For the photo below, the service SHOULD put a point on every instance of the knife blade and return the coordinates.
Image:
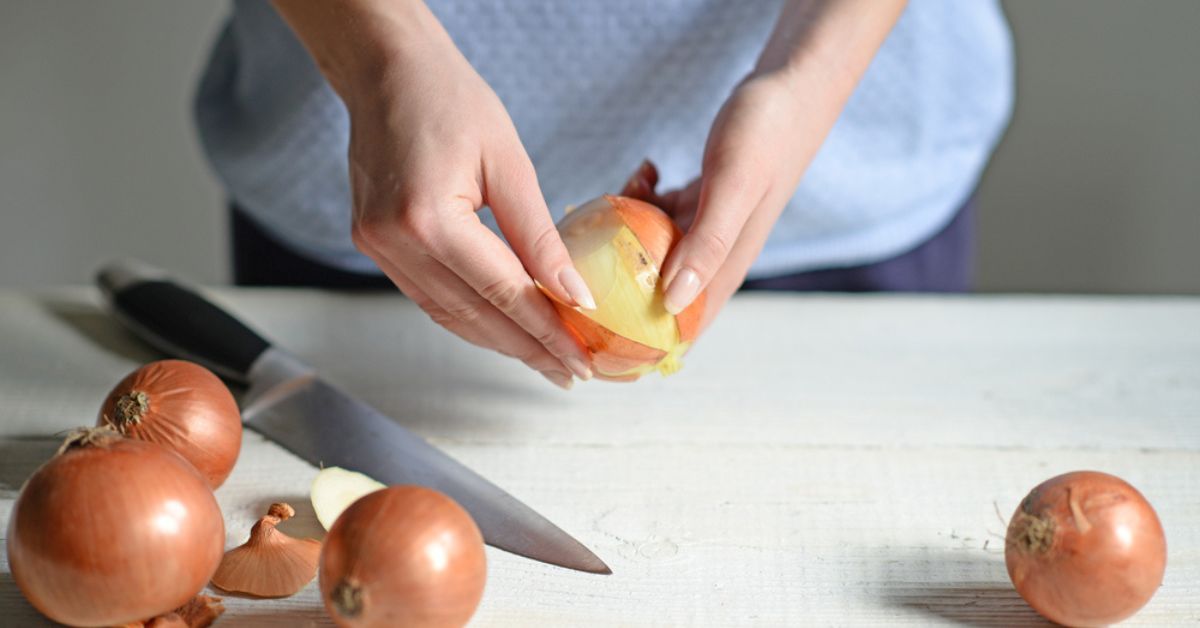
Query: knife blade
(291, 405)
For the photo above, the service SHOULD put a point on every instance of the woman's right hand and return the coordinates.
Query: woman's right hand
(430, 145)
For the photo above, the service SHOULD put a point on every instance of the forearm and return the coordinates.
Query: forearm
(820, 49)
(355, 42)
(765, 137)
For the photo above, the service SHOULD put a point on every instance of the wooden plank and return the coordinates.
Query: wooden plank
(737, 534)
(820, 460)
(998, 372)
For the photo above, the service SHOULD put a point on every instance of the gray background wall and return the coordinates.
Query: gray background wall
(1094, 189)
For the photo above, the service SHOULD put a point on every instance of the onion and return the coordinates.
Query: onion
(335, 488)
(183, 406)
(618, 245)
(112, 531)
(1085, 549)
(403, 556)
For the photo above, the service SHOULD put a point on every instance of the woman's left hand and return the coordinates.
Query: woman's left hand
(762, 141)
(752, 164)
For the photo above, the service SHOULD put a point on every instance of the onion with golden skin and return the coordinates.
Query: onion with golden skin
(1085, 549)
(183, 406)
(112, 531)
(619, 244)
(403, 556)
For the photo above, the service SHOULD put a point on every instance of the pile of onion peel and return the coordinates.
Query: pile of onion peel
(619, 244)
(200, 612)
(182, 406)
(335, 488)
(1085, 549)
(270, 563)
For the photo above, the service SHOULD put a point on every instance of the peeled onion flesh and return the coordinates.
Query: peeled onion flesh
(335, 488)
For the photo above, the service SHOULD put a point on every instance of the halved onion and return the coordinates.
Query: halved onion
(335, 488)
(618, 244)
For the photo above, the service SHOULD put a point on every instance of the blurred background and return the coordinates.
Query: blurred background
(1095, 188)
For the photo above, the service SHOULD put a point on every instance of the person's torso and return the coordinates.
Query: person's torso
(593, 88)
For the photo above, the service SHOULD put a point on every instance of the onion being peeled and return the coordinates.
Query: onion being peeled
(1085, 549)
(112, 531)
(183, 406)
(618, 244)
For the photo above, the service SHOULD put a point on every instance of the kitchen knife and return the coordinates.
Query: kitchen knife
(290, 404)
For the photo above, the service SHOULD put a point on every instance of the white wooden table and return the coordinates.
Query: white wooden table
(819, 460)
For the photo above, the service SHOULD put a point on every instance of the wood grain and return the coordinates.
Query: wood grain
(819, 460)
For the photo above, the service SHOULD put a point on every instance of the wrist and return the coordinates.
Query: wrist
(827, 42)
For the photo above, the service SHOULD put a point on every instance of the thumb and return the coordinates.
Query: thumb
(729, 194)
(516, 200)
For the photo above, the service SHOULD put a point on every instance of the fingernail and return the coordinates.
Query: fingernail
(575, 286)
(562, 380)
(682, 291)
(578, 367)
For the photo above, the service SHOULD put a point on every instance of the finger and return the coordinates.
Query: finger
(461, 310)
(642, 183)
(474, 320)
(414, 239)
(680, 204)
(747, 248)
(521, 213)
(490, 269)
(729, 192)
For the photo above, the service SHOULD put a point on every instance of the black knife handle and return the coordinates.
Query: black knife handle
(178, 321)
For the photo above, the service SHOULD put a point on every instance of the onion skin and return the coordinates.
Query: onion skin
(641, 186)
(1085, 549)
(113, 531)
(200, 612)
(613, 356)
(183, 406)
(270, 563)
(658, 233)
(403, 556)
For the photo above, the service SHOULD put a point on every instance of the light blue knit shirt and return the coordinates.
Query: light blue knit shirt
(595, 87)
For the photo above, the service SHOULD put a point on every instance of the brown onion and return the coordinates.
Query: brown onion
(1085, 549)
(183, 406)
(112, 531)
(403, 556)
(618, 244)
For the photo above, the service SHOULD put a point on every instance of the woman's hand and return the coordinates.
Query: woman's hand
(752, 164)
(762, 141)
(430, 145)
